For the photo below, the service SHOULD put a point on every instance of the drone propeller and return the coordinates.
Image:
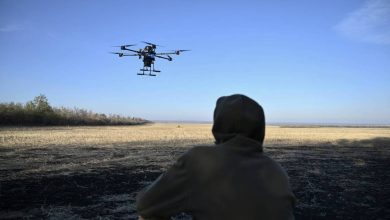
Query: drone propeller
(119, 54)
(123, 47)
(151, 44)
(177, 52)
(127, 45)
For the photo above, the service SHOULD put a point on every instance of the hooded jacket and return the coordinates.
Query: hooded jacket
(231, 180)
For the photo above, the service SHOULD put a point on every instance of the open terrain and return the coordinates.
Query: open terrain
(95, 172)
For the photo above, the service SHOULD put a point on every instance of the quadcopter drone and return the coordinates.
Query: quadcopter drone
(149, 56)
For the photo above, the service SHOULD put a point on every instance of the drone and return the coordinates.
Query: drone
(149, 55)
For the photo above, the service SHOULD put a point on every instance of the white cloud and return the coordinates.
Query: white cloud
(370, 23)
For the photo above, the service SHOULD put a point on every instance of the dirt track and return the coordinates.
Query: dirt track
(342, 180)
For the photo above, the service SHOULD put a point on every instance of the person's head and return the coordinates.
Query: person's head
(238, 115)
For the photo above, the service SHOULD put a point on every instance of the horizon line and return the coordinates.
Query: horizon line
(284, 123)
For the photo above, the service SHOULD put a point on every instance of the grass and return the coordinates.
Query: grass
(95, 172)
(100, 136)
(43, 137)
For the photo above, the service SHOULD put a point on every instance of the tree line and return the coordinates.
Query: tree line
(39, 112)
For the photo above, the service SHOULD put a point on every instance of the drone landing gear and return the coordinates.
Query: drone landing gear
(150, 70)
(156, 71)
(143, 74)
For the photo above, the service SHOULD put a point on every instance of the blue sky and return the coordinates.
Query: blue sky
(303, 61)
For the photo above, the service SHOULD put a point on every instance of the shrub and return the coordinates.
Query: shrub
(39, 112)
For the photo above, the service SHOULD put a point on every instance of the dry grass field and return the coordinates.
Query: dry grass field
(95, 172)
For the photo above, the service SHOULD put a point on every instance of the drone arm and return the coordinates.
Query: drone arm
(175, 52)
(135, 51)
(167, 58)
(166, 53)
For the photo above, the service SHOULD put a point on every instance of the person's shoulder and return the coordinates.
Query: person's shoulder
(273, 167)
(196, 152)
(200, 149)
(202, 160)
(270, 161)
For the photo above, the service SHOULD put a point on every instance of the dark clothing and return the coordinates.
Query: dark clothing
(232, 180)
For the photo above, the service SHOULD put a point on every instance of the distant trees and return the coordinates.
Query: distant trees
(39, 112)
(39, 104)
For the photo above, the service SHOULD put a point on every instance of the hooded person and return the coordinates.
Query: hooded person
(231, 180)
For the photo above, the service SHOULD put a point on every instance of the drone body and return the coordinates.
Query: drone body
(148, 55)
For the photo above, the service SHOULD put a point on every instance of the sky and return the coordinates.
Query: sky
(304, 61)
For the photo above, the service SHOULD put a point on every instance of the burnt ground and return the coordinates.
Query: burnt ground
(347, 180)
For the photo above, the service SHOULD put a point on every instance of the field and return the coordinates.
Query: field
(95, 172)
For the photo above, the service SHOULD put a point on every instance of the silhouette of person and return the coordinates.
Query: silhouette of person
(232, 180)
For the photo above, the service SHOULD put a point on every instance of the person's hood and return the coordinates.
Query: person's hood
(238, 115)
